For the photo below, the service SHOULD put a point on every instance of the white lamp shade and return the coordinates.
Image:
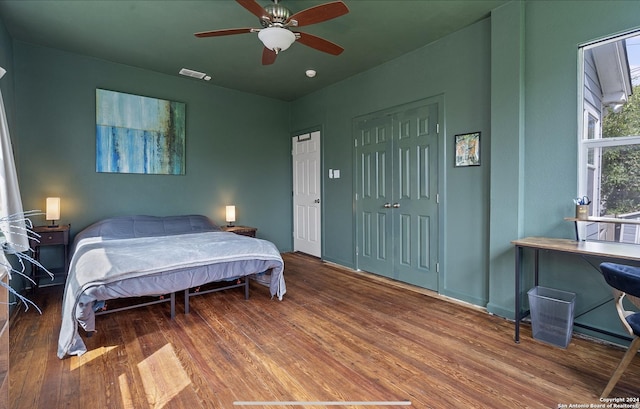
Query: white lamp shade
(53, 208)
(276, 38)
(231, 214)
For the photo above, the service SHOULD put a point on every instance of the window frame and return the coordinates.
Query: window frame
(585, 110)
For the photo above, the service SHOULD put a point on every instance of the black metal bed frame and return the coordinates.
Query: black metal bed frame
(188, 293)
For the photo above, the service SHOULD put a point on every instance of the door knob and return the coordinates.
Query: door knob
(387, 205)
(316, 201)
(396, 205)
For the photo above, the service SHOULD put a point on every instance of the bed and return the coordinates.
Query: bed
(139, 256)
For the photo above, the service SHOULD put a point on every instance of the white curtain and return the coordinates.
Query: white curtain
(10, 199)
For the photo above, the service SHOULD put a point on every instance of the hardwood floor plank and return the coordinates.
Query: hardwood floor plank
(337, 335)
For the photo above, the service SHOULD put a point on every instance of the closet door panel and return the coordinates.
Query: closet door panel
(373, 174)
(416, 210)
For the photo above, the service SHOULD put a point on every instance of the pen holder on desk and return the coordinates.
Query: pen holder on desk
(582, 212)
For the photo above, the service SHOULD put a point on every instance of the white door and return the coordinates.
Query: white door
(306, 194)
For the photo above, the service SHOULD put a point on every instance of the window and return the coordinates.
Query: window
(609, 137)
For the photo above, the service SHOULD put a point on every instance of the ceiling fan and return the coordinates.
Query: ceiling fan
(276, 21)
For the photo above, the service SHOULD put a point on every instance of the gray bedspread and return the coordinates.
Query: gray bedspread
(127, 227)
(107, 268)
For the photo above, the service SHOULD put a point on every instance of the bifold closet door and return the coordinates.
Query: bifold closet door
(396, 197)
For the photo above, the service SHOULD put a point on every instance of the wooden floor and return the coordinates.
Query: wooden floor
(336, 336)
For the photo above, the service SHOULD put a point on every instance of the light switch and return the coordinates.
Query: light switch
(330, 173)
(336, 173)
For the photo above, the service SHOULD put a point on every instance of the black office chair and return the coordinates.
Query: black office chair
(625, 279)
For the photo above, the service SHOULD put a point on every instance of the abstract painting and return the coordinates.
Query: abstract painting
(467, 148)
(136, 134)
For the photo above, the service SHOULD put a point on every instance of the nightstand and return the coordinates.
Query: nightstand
(50, 236)
(241, 230)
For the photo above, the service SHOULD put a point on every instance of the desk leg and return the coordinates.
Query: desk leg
(518, 313)
(518, 277)
(536, 263)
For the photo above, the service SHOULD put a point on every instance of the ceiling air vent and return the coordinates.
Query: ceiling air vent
(194, 74)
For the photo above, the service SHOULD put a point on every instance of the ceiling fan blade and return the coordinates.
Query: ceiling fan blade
(318, 14)
(255, 9)
(320, 44)
(268, 56)
(218, 33)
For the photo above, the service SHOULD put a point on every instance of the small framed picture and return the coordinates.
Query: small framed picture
(467, 149)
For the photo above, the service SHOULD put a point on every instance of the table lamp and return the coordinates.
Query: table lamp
(230, 215)
(53, 211)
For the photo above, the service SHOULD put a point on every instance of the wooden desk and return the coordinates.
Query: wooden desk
(608, 250)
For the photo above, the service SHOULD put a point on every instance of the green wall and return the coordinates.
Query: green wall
(237, 146)
(507, 173)
(535, 71)
(456, 70)
(553, 32)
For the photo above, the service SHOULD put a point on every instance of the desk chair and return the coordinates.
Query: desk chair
(625, 279)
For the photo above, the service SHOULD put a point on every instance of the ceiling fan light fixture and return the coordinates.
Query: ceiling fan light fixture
(276, 38)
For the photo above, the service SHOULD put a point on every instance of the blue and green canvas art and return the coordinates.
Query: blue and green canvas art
(136, 134)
